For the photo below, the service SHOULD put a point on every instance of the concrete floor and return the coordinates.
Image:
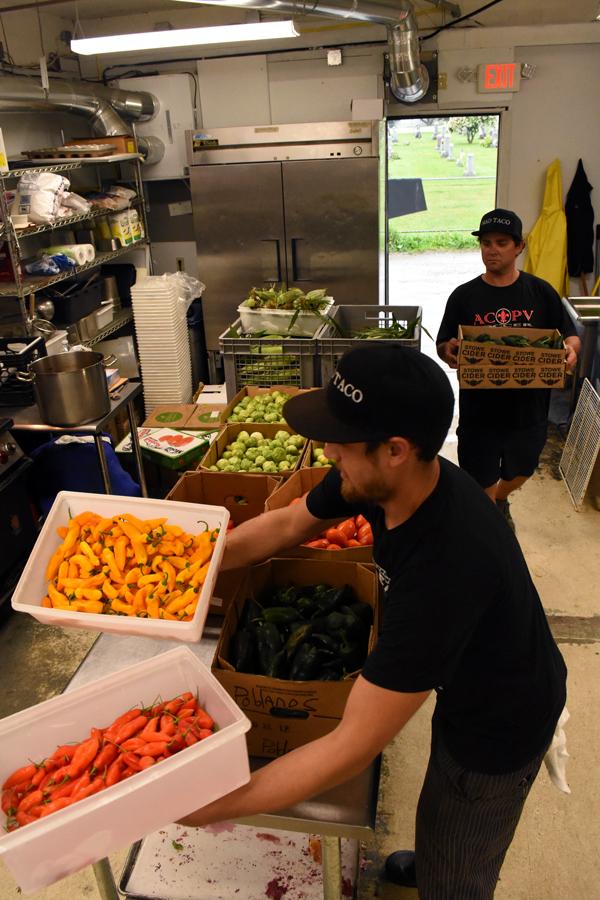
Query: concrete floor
(554, 855)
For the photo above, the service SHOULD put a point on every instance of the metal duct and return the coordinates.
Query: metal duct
(98, 104)
(409, 79)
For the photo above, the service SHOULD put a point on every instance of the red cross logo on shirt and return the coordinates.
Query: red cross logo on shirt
(503, 316)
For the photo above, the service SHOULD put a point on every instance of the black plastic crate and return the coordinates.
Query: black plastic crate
(77, 304)
(12, 391)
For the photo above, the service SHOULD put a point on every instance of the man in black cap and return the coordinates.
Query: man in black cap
(462, 617)
(501, 433)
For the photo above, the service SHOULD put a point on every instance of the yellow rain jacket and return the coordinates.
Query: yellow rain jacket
(547, 242)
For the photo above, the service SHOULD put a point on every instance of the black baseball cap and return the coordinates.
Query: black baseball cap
(378, 391)
(503, 220)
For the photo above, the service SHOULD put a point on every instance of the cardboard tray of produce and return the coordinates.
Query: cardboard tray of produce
(289, 714)
(310, 458)
(253, 392)
(31, 588)
(228, 436)
(243, 496)
(168, 447)
(492, 366)
(70, 839)
(299, 483)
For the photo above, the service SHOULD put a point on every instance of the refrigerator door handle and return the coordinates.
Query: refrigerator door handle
(271, 260)
(300, 261)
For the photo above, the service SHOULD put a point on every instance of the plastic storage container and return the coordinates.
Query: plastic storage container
(31, 589)
(77, 304)
(277, 321)
(331, 347)
(66, 841)
(104, 315)
(15, 356)
(266, 361)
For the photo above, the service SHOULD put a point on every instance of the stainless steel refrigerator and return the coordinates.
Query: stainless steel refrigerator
(291, 203)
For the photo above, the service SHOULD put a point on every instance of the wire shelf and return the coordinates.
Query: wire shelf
(582, 445)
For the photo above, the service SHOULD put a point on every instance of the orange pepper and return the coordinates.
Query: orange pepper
(120, 551)
(54, 563)
(62, 531)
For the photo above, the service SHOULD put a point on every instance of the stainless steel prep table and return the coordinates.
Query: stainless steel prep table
(27, 418)
(347, 811)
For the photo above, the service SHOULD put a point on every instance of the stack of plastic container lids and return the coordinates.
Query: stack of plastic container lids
(163, 342)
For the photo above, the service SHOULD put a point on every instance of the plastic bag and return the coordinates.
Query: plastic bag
(121, 191)
(75, 202)
(188, 288)
(49, 265)
(39, 195)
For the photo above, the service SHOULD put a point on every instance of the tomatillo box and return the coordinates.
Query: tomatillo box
(174, 416)
(494, 377)
(168, 447)
(297, 485)
(243, 496)
(205, 415)
(253, 392)
(289, 714)
(51, 848)
(229, 434)
(478, 353)
(309, 455)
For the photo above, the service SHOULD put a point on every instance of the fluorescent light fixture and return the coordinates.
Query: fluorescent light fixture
(185, 37)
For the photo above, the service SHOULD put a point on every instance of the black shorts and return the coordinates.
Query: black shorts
(490, 452)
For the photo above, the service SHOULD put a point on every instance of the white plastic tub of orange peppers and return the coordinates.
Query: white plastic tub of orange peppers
(127, 565)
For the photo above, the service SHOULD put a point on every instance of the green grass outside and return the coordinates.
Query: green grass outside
(454, 206)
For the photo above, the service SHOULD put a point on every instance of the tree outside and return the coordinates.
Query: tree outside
(455, 201)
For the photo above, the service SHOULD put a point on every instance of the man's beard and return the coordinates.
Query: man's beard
(373, 491)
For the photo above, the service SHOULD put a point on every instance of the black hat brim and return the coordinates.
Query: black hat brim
(310, 416)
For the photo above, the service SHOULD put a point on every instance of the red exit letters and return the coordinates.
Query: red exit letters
(498, 77)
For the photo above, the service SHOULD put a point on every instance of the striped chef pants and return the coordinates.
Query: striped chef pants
(465, 823)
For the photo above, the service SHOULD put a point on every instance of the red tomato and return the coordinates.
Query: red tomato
(353, 543)
(334, 547)
(320, 544)
(360, 521)
(335, 536)
(348, 527)
(364, 530)
(366, 540)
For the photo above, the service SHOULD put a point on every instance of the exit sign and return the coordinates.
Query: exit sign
(498, 78)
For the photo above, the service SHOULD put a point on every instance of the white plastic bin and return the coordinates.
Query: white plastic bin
(31, 589)
(69, 840)
(277, 321)
(104, 315)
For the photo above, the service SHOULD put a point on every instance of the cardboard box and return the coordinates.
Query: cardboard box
(125, 143)
(303, 480)
(251, 391)
(168, 447)
(316, 707)
(228, 435)
(205, 415)
(307, 459)
(172, 416)
(475, 353)
(495, 377)
(230, 490)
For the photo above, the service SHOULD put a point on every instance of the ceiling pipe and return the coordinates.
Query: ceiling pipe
(409, 79)
(106, 109)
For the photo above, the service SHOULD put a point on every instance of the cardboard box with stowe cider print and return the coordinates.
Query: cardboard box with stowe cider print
(493, 366)
(304, 710)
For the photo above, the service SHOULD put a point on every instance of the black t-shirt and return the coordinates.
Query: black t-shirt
(462, 615)
(529, 302)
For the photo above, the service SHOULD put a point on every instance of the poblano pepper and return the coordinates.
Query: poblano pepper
(269, 644)
(242, 652)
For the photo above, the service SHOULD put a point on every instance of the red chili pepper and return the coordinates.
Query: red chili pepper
(24, 774)
(206, 732)
(86, 752)
(68, 788)
(116, 726)
(167, 725)
(203, 720)
(176, 743)
(132, 761)
(8, 801)
(49, 766)
(173, 705)
(130, 729)
(158, 748)
(105, 757)
(31, 800)
(133, 744)
(56, 805)
(24, 819)
(128, 772)
(113, 775)
(190, 738)
(146, 762)
(81, 784)
(66, 752)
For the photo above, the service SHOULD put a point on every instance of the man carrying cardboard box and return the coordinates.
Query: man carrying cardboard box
(462, 617)
(501, 433)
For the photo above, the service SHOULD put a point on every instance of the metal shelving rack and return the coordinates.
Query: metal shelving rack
(24, 286)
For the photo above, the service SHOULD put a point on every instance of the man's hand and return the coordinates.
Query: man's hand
(448, 352)
(572, 347)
